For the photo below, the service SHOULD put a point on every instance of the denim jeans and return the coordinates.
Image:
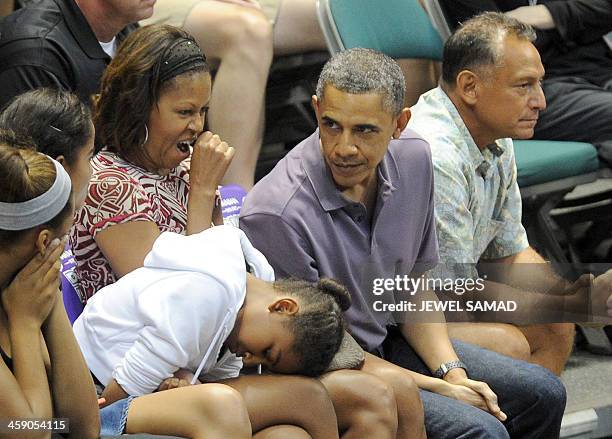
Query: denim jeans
(114, 417)
(531, 396)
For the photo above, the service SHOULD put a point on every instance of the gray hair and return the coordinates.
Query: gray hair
(360, 71)
(478, 43)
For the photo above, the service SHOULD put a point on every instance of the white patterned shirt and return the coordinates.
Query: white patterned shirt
(477, 198)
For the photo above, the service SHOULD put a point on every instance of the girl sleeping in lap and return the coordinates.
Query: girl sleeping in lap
(193, 310)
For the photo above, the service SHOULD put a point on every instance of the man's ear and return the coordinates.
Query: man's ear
(314, 101)
(286, 305)
(401, 122)
(62, 160)
(43, 240)
(466, 86)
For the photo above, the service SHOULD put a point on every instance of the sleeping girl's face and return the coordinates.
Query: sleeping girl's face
(263, 338)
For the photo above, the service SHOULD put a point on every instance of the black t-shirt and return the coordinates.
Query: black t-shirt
(574, 48)
(50, 44)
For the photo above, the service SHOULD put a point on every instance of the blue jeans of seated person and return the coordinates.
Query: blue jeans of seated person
(531, 396)
(113, 419)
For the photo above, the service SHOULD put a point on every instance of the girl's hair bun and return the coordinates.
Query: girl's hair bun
(337, 291)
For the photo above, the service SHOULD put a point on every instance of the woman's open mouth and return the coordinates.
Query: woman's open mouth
(185, 146)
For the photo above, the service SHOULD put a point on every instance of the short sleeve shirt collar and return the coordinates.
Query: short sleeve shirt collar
(482, 161)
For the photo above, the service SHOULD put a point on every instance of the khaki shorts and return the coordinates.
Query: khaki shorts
(175, 12)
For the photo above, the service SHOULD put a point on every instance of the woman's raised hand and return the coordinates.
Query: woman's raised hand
(210, 159)
(31, 295)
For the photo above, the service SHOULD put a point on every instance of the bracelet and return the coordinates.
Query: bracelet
(444, 368)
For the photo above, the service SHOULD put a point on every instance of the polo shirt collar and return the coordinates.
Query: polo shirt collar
(481, 160)
(322, 181)
(81, 30)
(388, 172)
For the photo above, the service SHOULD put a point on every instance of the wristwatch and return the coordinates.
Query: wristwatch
(444, 368)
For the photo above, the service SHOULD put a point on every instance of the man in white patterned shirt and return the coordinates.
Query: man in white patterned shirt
(490, 91)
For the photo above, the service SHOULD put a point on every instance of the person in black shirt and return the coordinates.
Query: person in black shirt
(577, 56)
(63, 43)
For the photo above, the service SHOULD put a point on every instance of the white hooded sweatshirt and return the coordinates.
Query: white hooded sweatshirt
(175, 312)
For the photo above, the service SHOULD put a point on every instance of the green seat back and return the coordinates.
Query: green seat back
(398, 28)
(541, 161)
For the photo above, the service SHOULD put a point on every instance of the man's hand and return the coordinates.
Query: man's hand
(475, 393)
(181, 378)
(601, 297)
(172, 383)
(112, 392)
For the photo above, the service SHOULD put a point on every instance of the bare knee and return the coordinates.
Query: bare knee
(317, 406)
(550, 337)
(376, 408)
(282, 432)
(410, 412)
(512, 343)
(310, 388)
(563, 332)
(222, 412)
(248, 33)
(365, 405)
(404, 388)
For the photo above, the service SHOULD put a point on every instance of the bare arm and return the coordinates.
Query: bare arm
(432, 343)
(113, 392)
(528, 279)
(126, 245)
(72, 387)
(27, 302)
(210, 159)
(526, 270)
(537, 16)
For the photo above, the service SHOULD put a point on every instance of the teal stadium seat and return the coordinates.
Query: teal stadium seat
(545, 161)
(399, 28)
(547, 170)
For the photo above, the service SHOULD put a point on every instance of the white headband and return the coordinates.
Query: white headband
(39, 210)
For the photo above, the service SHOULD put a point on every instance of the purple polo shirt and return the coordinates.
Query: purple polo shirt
(307, 229)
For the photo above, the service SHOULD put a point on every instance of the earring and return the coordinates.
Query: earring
(146, 134)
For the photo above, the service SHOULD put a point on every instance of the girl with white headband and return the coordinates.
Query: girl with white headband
(36, 341)
(53, 381)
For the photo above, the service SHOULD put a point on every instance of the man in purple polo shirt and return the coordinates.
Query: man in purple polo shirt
(354, 202)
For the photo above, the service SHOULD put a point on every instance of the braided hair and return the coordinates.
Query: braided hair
(318, 327)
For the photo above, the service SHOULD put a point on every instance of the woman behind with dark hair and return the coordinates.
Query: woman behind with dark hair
(60, 126)
(149, 117)
(42, 372)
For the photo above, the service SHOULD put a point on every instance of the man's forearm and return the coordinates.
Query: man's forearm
(529, 280)
(431, 342)
(537, 16)
(526, 271)
(113, 392)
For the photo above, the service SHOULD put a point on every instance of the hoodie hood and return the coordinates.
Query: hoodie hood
(216, 251)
